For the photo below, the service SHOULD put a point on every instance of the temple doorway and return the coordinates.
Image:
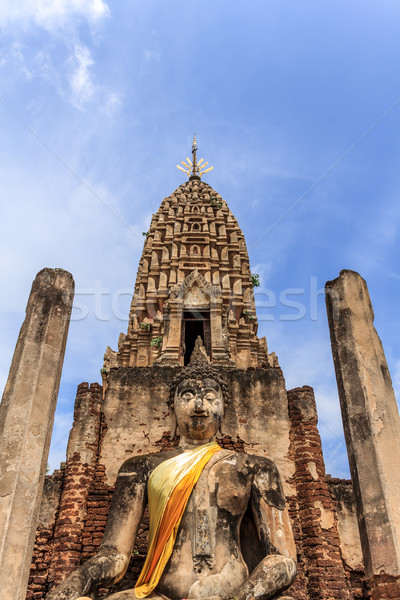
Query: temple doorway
(195, 323)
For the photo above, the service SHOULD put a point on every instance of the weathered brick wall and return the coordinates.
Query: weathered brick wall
(385, 587)
(299, 588)
(58, 544)
(98, 506)
(322, 559)
(37, 585)
(82, 456)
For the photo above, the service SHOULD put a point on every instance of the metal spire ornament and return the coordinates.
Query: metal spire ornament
(192, 168)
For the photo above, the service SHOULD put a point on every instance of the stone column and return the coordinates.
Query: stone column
(371, 426)
(26, 421)
(218, 351)
(171, 346)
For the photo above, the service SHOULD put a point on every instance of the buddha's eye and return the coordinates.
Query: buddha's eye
(187, 394)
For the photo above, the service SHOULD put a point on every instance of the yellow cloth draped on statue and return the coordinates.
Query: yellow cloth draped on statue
(169, 488)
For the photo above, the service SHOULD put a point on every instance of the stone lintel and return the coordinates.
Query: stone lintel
(370, 419)
(26, 422)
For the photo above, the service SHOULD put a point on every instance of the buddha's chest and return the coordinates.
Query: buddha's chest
(223, 486)
(213, 514)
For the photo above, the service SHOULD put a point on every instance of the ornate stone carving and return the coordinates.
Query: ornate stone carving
(204, 262)
(180, 291)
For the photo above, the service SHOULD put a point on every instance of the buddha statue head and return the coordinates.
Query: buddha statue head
(198, 399)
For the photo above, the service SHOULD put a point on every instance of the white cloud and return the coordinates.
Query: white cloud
(111, 104)
(152, 55)
(50, 14)
(74, 78)
(80, 79)
(61, 59)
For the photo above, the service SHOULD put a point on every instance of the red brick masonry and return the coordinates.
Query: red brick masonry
(315, 525)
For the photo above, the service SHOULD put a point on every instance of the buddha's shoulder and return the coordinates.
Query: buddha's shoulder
(249, 462)
(144, 463)
(259, 472)
(266, 481)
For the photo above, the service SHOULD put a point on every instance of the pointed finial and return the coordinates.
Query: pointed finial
(194, 145)
(194, 169)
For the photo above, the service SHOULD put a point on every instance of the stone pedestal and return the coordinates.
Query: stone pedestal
(371, 426)
(26, 421)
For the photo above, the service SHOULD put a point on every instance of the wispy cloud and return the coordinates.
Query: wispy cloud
(152, 55)
(83, 85)
(111, 104)
(63, 58)
(81, 78)
(50, 14)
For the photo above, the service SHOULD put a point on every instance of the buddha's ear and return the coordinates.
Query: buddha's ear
(221, 425)
(173, 424)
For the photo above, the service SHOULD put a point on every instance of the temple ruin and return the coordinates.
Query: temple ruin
(194, 280)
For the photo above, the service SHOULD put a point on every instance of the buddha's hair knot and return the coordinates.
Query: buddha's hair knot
(199, 370)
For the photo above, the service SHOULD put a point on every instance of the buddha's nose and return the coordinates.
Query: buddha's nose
(198, 405)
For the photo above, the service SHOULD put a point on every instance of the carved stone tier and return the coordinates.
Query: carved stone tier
(193, 279)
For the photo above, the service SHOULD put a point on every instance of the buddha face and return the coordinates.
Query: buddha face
(199, 408)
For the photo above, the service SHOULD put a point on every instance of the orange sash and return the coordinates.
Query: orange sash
(169, 488)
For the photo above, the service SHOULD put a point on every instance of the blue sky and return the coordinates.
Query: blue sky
(297, 106)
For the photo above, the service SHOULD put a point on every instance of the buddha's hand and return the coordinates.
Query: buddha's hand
(220, 585)
(215, 597)
(71, 588)
(273, 575)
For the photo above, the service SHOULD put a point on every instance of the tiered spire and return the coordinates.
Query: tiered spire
(193, 279)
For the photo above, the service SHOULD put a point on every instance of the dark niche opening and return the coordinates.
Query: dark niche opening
(195, 323)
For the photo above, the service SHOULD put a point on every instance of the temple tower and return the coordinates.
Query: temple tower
(193, 279)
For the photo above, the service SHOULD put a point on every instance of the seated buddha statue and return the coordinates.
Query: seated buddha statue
(219, 528)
